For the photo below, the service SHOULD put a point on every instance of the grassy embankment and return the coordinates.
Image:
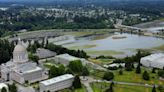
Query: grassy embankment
(100, 87)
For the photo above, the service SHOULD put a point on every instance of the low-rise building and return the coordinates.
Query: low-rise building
(44, 53)
(57, 83)
(153, 61)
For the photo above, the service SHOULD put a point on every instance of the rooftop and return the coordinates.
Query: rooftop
(155, 57)
(67, 57)
(27, 68)
(57, 79)
(44, 53)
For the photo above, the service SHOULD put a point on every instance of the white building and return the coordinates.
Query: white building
(57, 83)
(154, 61)
(65, 59)
(20, 69)
(2, 85)
(44, 53)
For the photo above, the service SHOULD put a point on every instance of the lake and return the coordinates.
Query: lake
(120, 47)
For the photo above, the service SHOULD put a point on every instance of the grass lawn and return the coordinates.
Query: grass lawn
(48, 65)
(83, 89)
(100, 87)
(82, 47)
(89, 31)
(104, 52)
(82, 33)
(131, 76)
(159, 48)
(101, 61)
(97, 74)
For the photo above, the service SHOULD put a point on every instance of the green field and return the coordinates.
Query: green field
(100, 87)
(83, 89)
(159, 48)
(104, 52)
(82, 47)
(131, 76)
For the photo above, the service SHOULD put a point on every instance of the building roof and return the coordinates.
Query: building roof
(27, 68)
(19, 48)
(57, 79)
(67, 57)
(44, 53)
(154, 60)
(155, 57)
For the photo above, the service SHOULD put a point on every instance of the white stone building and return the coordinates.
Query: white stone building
(65, 59)
(20, 69)
(153, 60)
(57, 83)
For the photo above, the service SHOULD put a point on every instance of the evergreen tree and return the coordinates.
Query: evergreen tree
(153, 70)
(85, 71)
(77, 83)
(138, 69)
(154, 89)
(110, 89)
(121, 72)
(13, 88)
(145, 75)
(42, 44)
(3, 89)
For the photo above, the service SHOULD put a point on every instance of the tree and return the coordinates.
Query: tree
(3, 89)
(34, 58)
(108, 76)
(13, 88)
(56, 71)
(77, 83)
(160, 88)
(153, 70)
(154, 89)
(42, 44)
(138, 69)
(120, 72)
(6, 51)
(138, 55)
(85, 71)
(161, 73)
(76, 66)
(145, 75)
(128, 66)
(110, 89)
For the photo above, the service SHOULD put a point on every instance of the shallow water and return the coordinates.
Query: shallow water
(126, 45)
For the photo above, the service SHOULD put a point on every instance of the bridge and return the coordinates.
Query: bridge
(131, 28)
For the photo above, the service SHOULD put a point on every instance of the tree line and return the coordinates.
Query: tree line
(6, 51)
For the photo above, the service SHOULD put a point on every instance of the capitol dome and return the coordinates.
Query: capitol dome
(19, 48)
(20, 54)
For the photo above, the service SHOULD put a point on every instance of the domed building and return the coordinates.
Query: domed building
(20, 54)
(20, 68)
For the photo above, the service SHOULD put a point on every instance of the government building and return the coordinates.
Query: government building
(56, 83)
(20, 69)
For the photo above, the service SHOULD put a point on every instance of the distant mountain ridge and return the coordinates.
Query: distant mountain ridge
(74, 0)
